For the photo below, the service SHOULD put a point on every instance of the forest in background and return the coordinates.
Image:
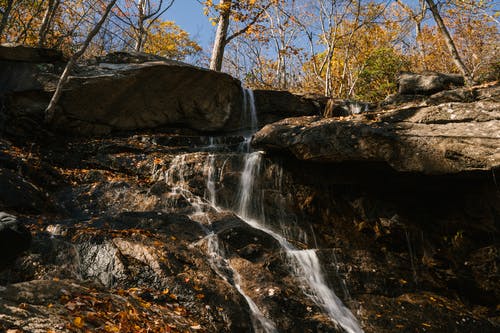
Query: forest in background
(339, 48)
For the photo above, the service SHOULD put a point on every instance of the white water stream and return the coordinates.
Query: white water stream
(304, 263)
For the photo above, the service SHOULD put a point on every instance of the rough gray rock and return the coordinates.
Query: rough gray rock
(439, 139)
(14, 239)
(125, 91)
(111, 97)
(427, 83)
(120, 91)
(486, 92)
(29, 54)
(274, 105)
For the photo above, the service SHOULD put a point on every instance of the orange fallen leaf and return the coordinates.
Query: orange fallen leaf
(78, 322)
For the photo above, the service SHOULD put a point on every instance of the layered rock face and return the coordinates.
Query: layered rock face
(130, 91)
(450, 132)
(334, 227)
(106, 96)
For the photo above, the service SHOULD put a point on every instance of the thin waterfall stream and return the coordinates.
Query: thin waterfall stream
(304, 263)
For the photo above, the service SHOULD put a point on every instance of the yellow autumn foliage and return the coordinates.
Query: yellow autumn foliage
(167, 39)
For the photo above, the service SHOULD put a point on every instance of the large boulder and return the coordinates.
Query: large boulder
(437, 139)
(29, 54)
(274, 105)
(14, 239)
(427, 83)
(23, 68)
(16, 192)
(115, 96)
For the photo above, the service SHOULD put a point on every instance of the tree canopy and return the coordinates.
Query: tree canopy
(340, 48)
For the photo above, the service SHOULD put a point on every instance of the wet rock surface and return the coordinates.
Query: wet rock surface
(117, 236)
(147, 230)
(404, 252)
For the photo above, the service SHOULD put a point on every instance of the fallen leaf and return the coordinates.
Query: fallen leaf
(78, 322)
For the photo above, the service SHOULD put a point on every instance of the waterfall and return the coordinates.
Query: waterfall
(250, 171)
(223, 268)
(304, 264)
(210, 166)
(249, 121)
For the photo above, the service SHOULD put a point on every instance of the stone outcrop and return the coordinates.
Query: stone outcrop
(126, 91)
(427, 83)
(392, 245)
(110, 97)
(14, 239)
(444, 137)
(22, 53)
(273, 105)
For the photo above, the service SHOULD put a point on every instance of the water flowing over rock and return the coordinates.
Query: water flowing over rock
(175, 231)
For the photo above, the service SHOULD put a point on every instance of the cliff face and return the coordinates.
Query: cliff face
(383, 222)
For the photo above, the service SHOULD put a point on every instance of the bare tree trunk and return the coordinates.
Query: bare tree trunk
(47, 21)
(139, 42)
(220, 36)
(49, 112)
(449, 42)
(328, 80)
(5, 16)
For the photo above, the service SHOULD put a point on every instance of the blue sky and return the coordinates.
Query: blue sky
(188, 14)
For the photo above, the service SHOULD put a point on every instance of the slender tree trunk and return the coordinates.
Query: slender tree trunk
(141, 32)
(220, 36)
(49, 112)
(328, 80)
(449, 42)
(48, 17)
(141, 36)
(5, 16)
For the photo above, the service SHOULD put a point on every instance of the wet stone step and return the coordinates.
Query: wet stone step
(195, 143)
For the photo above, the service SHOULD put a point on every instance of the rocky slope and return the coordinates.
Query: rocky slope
(137, 231)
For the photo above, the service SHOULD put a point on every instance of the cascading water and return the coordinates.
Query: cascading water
(249, 121)
(304, 263)
(210, 179)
